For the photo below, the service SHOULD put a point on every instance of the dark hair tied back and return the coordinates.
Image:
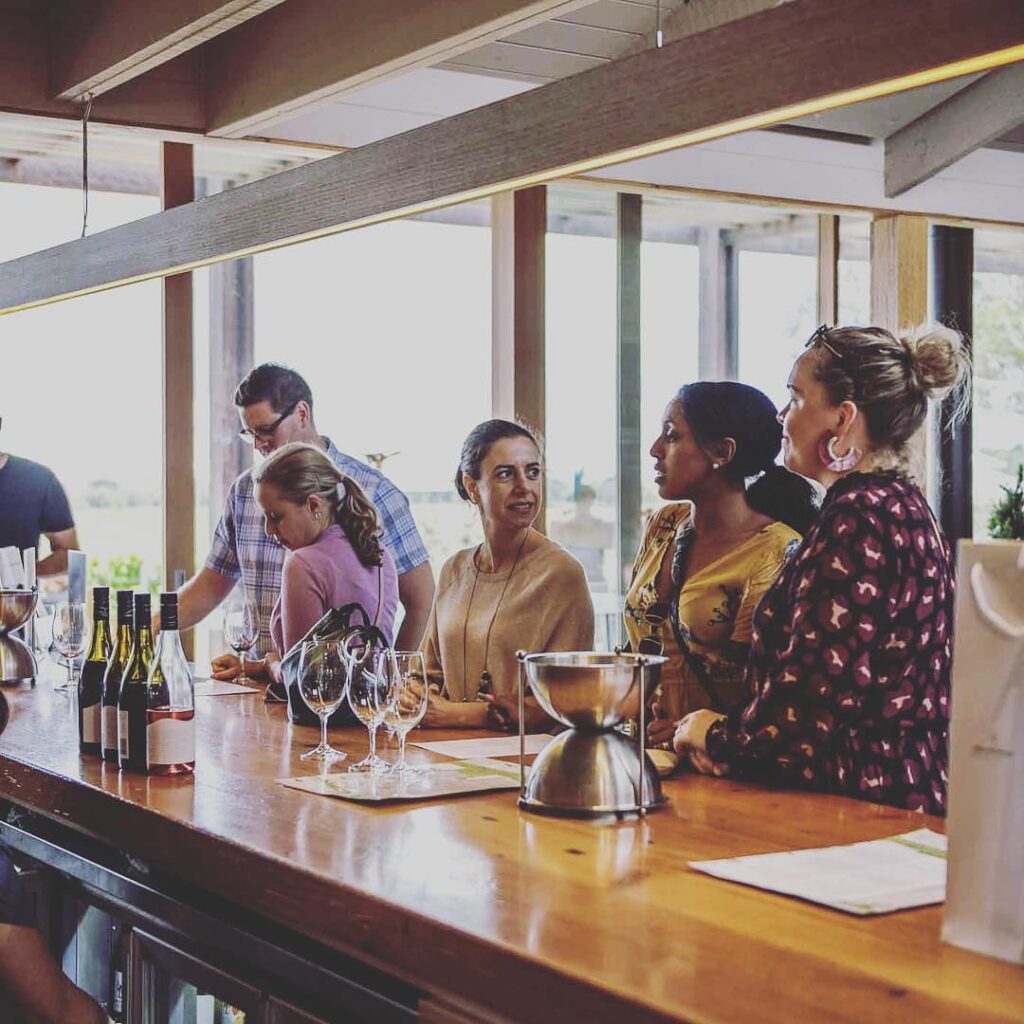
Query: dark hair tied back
(719, 409)
(479, 442)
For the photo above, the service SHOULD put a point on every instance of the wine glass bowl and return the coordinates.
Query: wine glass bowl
(241, 631)
(367, 693)
(323, 681)
(405, 696)
(69, 636)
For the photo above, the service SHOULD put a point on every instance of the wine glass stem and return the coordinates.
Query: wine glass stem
(372, 729)
(401, 750)
(71, 673)
(323, 731)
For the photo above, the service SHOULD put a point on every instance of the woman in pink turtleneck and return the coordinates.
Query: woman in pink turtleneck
(335, 555)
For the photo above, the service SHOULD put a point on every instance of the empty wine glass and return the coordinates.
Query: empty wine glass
(323, 678)
(241, 631)
(69, 636)
(367, 695)
(405, 696)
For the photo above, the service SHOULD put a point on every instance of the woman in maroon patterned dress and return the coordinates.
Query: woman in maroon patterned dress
(852, 646)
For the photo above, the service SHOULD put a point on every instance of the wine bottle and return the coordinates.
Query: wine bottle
(90, 682)
(117, 988)
(131, 704)
(170, 700)
(114, 673)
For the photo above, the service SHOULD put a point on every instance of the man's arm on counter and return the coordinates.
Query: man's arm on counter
(416, 592)
(198, 597)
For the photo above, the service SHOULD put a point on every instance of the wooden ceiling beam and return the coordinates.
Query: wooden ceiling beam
(311, 50)
(170, 98)
(967, 120)
(98, 45)
(799, 58)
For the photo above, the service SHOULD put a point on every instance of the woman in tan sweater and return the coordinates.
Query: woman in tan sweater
(516, 590)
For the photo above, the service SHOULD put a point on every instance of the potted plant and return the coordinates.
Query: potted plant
(1007, 519)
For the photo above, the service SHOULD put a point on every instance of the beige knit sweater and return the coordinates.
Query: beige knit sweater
(547, 607)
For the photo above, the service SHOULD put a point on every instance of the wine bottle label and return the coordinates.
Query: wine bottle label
(122, 732)
(171, 741)
(91, 724)
(108, 727)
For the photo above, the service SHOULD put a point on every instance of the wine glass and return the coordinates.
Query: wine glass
(242, 630)
(69, 636)
(323, 678)
(405, 696)
(367, 695)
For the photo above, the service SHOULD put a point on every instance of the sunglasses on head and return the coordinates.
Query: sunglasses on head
(820, 337)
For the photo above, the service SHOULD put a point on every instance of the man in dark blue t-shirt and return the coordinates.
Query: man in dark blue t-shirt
(32, 502)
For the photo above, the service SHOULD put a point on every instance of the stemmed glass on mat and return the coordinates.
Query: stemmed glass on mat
(405, 696)
(323, 679)
(367, 696)
(241, 631)
(69, 636)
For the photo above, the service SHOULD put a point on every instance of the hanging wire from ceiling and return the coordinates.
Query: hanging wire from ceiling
(86, 111)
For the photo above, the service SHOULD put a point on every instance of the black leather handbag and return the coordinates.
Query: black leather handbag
(338, 624)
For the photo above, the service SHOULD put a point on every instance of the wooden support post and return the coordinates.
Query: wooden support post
(717, 346)
(628, 385)
(828, 269)
(899, 296)
(231, 358)
(178, 188)
(953, 305)
(899, 270)
(518, 228)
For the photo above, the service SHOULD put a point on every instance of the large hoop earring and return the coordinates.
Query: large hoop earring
(833, 461)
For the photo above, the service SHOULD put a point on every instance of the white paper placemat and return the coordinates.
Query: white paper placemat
(448, 779)
(216, 688)
(487, 746)
(875, 877)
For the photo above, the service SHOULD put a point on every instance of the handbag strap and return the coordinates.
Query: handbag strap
(684, 538)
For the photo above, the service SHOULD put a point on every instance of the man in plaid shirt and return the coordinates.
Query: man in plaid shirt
(275, 405)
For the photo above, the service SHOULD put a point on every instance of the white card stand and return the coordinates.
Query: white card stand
(985, 889)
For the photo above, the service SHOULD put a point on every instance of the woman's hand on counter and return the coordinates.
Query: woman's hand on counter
(690, 741)
(442, 713)
(660, 729)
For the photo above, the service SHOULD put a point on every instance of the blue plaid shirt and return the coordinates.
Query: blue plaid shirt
(242, 549)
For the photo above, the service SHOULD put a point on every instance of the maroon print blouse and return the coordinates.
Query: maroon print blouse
(851, 654)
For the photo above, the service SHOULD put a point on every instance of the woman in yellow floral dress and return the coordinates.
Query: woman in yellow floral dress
(708, 557)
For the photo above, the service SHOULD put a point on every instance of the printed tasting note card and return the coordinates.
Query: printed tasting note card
(863, 878)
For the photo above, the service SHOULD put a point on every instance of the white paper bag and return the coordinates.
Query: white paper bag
(985, 889)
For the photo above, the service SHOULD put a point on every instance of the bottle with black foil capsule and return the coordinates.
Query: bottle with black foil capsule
(131, 704)
(90, 682)
(117, 987)
(114, 673)
(170, 700)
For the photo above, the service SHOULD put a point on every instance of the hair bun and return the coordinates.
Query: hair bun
(938, 358)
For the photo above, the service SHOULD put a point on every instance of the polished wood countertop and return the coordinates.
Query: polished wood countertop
(523, 917)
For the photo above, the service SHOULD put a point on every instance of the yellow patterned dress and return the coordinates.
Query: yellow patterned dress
(711, 611)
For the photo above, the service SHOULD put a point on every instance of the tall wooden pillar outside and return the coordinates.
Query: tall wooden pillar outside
(828, 269)
(953, 305)
(628, 476)
(518, 229)
(179, 492)
(899, 297)
(718, 319)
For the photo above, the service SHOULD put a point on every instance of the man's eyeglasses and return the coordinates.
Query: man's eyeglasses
(820, 337)
(267, 430)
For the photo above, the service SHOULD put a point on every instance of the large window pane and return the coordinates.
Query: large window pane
(581, 378)
(391, 327)
(998, 411)
(778, 296)
(854, 271)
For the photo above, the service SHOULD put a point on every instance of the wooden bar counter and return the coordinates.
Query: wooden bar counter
(495, 914)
